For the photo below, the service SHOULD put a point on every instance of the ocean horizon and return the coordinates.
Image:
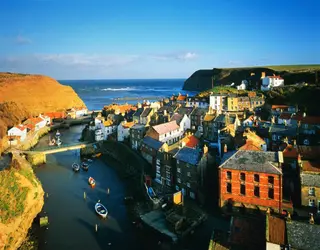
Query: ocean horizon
(98, 93)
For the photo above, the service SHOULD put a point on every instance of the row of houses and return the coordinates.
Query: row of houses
(19, 133)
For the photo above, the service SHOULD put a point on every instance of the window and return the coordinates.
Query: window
(179, 180)
(312, 203)
(189, 174)
(242, 176)
(256, 191)
(158, 169)
(177, 188)
(271, 193)
(271, 180)
(229, 175)
(242, 189)
(177, 161)
(179, 170)
(256, 178)
(229, 188)
(312, 191)
(188, 184)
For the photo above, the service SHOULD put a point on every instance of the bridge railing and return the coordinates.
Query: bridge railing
(47, 148)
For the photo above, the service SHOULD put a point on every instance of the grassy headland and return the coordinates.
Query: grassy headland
(201, 80)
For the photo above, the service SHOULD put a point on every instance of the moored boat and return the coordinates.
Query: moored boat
(101, 210)
(58, 142)
(85, 166)
(92, 182)
(97, 155)
(58, 134)
(75, 167)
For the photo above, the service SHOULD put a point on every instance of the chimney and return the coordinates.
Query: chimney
(263, 74)
(288, 217)
(311, 220)
(205, 149)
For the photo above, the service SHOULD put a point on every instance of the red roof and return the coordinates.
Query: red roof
(307, 119)
(54, 115)
(290, 152)
(279, 77)
(311, 166)
(285, 116)
(279, 106)
(306, 152)
(21, 127)
(191, 141)
(181, 98)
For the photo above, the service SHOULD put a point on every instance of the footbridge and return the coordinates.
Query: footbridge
(38, 155)
(57, 149)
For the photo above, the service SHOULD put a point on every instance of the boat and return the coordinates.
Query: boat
(85, 166)
(75, 167)
(92, 182)
(101, 210)
(58, 134)
(58, 142)
(89, 160)
(97, 155)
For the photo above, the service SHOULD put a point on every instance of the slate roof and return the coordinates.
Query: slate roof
(155, 144)
(165, 127)
(303, 235)
(199, 111)
(138, 112)
(188, 155)
(177, 117)
(138, 126)
(280, 129)
(253, 161)
(310, 179)
(184, 110)
(146, 112)
(222, 118)
(169, 109)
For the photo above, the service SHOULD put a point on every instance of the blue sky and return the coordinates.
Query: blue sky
(92, 39)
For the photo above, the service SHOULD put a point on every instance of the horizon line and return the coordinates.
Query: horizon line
(121, 79)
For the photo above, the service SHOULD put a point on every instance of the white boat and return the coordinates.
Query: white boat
(85, 166)
(58, 142)
(75, 167)
(58, 134)
(101, 210)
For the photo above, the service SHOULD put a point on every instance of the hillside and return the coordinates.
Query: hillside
(202, 79)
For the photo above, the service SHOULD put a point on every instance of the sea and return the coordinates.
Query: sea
(98, 93)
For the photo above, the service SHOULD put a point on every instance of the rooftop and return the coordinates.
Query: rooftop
(146, 112)
(199, 111)
(283, 130)
(188, 155)
(150, 142)
(306, 119)
(253, 161)
(166, 127)
(138, 112)
(209, 117)
(303, 235)
(311, 166)
(279, 106)
(184, 110)
(127, 124)
(177, 117)
(190, 141)
(285, 116)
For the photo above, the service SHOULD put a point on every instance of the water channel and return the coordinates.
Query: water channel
(72, 218)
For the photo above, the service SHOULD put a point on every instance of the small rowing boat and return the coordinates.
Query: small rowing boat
(101, 210)
(85, 166)
(75, 167)
(92, 182)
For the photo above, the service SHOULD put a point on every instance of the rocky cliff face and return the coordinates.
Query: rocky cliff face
(27, 193)
(37, 93)
(202, 80)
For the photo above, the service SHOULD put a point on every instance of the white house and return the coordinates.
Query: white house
(197, 102)
(81, 111)
(109, 128)
(183, 121)
(35, 123)
(124, 130)
(218, 102)
(98, 135)
(19, 131)
(46, 118)
(269, 82)
(243, 85)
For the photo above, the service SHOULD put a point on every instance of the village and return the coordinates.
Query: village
(257, 164)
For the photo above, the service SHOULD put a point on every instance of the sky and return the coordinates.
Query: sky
(102, 39)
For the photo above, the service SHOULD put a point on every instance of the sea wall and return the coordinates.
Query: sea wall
(18, 213)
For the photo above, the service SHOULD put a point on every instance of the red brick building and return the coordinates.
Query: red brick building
(251, 179)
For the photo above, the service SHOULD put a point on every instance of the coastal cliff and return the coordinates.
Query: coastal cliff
(21, 199)
(22, 96)
(204, 79)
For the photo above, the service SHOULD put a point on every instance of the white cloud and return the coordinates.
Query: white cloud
(22, 40)
(176, 56)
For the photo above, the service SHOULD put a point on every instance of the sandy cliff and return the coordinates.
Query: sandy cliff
(21, 199)
(37, 93)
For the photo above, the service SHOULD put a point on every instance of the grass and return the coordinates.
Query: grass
(12, 195)
(222, 90)
(283, 67)
(28, 174)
